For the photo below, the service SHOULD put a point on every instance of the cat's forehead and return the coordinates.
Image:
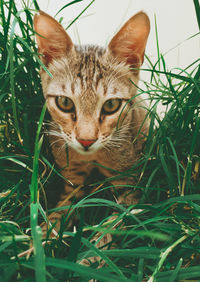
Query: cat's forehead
(88, 73)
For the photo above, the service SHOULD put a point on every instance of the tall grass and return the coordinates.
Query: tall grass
(155, 240)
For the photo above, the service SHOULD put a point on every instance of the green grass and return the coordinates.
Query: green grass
(159, 241)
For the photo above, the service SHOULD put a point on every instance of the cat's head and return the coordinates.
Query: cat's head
(88, 93)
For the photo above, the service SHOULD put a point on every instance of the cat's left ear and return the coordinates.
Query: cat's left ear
(129, 43)
(53, 41)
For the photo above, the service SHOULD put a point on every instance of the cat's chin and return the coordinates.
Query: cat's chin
(86, 151)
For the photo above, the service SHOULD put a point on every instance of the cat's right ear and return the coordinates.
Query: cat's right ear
(128, 45)
(53, 41)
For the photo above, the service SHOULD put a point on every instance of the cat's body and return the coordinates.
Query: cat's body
(92, 101)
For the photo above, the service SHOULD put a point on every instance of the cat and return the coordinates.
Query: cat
(92, 100)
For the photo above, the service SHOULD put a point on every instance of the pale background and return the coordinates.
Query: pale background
(176, 22)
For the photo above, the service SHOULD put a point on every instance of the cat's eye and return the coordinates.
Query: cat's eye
(65, 104)
(111, 106)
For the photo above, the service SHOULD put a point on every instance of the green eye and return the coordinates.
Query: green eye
(65, 104)
(111, 106)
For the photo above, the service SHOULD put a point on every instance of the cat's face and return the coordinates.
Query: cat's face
(87, 102)
(88, 94)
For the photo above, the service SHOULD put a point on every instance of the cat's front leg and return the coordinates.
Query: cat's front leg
(73, 190)
(52, 224)
(123, 188)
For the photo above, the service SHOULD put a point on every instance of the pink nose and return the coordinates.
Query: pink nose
(86, 143)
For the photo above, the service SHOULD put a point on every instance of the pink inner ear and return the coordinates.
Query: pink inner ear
(54, 42)
(130, 42)
(128, 52)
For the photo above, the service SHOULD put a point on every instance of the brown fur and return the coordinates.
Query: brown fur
(91, 75)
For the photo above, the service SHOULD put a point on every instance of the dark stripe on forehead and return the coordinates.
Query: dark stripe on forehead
(63, 88)
(90, 67)
(114, 90)
(98, 79)
(105, 90)
(72, 88)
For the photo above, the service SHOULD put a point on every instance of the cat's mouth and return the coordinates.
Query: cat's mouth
(86, 150)
(85, 147)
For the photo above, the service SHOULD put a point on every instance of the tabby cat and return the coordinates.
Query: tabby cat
(92, 101)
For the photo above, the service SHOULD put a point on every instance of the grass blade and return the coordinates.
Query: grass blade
(84, 271)
(39, 258)
(197, 9)
(80, 14)
(67, 5)
(38, 145)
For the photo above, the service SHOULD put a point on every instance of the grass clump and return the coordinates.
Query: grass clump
(159, 237)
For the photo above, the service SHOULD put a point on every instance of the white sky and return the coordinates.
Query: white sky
(176, 21)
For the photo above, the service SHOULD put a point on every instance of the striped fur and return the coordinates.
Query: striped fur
(90, 76)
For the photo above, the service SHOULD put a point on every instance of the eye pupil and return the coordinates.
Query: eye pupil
(65, 104)
(110, 104)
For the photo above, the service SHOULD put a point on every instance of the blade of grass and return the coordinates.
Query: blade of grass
(85, 271)
(157, 44)
(143, 253)
(38, 144)
(12, 82)
(197, 9)
(101, 254)
(176, 162)
(155, 235)
(166, 169)
(184, 273)
(39, 258)
(164, 255)
(76, 243)
(80, 14)
(140, 270)
(36, 5)
(173, 277)
(36, 57)
(67, 5)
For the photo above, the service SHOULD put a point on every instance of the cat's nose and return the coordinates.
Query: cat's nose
(86, 143)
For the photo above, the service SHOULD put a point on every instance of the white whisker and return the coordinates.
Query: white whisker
(56, 141)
